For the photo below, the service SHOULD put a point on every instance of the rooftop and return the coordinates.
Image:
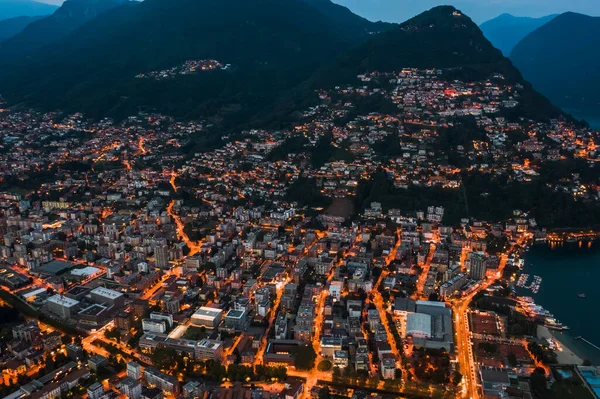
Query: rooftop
(63, 301)
(107, 293)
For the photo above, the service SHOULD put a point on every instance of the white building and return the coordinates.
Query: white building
(105, 295)
(156, 326)
(62, 306)
(418, 325)
(134, 370)
(388, 368)
(207, 317)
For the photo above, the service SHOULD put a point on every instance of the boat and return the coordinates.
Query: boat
(582, 296)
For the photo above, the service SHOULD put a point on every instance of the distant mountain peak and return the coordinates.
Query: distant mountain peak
(506, 30)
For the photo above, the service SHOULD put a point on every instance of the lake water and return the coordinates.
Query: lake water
(567, 271)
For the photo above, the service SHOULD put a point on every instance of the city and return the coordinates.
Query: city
(241, 204)
(144, 270)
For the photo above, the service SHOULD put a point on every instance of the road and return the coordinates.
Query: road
(460, 308)
(194, 246)
(422, 280)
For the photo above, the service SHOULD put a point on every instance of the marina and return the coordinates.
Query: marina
(568, 295)
(534, 286)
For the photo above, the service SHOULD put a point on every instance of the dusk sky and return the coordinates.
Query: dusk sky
(479, 10)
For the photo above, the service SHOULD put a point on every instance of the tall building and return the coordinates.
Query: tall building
(95, 391)
(305, 322)
(62, 306)
(134, 370)
(130, 388)
(160, 380)
(161, 256)
(478, 265)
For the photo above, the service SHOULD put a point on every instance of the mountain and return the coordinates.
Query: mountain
(20, 8)
(12, 26)
(272, 45)
(561, 60)
(506, 30)
(70, 16)
(440, 38)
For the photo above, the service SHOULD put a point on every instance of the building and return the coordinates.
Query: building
(207, 317)
(432, 325)
(62, 306)
(166, 317)
(304, 323)
(236, 320)
(162, 381)
(374, 319)
(329, 345)
(208, 349)
(335, 289)
(107, 296)
(74, 352)
(131, 388)
(418, 325)
(124, 320)
(478, 265)
(161, 256)
(134, 370)
(454, 284)
(97, 361)
(388, 368)
(95, 391)
(340, 359)
(191, 389)
(156, 326)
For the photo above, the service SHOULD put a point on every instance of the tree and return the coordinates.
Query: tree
(325, 365)
(324, 393)
(512, 359)
(456, 378)
(305, 357)
(164, 358)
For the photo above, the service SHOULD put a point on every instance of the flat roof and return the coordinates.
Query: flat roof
(86, 271)
(77, 290)
(93, 310)
(206, 312)
(236, 314)
(107, 293)
(56, 267)
(63, 301)
(34, 292)
(431, 303)
(209, 344)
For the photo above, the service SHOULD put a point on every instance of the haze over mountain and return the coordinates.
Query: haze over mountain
(442, 37)
(272, 45)
(274, 49)
(20, 8)
(70, 16)
(479, 10)
(561, 60)
(12, 26)
(506, 30)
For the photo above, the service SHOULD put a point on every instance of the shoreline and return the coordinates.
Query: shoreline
(567, 353)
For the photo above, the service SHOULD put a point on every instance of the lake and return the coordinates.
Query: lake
(567, 271)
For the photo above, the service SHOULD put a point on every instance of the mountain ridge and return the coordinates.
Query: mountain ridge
(267, 42)
(13, 26)
(66, 19)
(549, 56)
(507, 30)
(24, 8)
